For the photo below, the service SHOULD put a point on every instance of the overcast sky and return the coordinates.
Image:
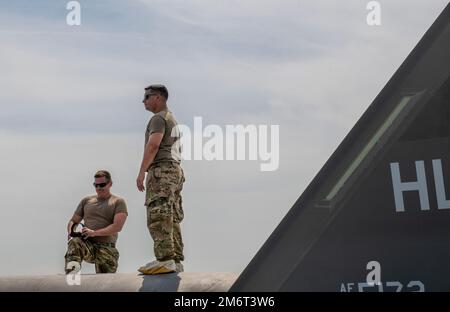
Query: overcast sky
(70, 104)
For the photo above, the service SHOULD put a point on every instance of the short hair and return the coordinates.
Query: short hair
(161, 89)
(103, 173)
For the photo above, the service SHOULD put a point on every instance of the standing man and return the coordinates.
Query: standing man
(104, 215)
(164, 182)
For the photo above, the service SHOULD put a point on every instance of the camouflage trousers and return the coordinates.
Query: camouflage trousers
(104, 256)
(164, 210)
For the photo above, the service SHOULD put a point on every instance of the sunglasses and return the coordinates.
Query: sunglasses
(149, 95)
(100, 185)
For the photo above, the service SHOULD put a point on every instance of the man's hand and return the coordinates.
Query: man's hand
(88, 232)
(140, 182)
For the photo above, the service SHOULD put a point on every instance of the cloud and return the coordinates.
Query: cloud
(228, 61)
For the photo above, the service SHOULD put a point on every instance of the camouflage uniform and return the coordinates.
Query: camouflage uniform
(164, 209)
(104, 255)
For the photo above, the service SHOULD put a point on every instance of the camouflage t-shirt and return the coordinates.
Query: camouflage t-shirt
(169, 149)
(98, 214)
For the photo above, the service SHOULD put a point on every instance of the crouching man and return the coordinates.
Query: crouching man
(104, 215)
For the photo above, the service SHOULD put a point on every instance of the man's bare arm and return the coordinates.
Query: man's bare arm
(151, 148)
(114, 228)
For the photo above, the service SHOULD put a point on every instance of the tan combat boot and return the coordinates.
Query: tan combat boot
(158, 267)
